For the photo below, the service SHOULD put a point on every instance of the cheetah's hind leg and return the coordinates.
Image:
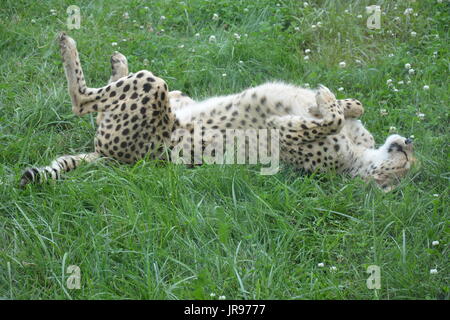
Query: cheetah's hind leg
(119, 69)
(87, 100)
(119, 66)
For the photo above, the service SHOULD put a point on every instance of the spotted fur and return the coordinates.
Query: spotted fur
(138, 117)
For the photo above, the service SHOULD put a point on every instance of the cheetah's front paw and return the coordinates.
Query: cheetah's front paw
(324, 97)
(352, 108)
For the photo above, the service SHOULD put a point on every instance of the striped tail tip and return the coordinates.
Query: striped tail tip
(28, 177)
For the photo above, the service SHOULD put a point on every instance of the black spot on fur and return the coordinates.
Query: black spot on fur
(147, 87)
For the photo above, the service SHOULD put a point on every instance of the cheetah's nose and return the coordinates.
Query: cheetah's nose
(408, 141)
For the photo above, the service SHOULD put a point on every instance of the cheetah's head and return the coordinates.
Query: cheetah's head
(396, 159)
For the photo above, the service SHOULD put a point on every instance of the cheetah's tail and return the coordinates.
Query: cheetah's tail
(54, 170)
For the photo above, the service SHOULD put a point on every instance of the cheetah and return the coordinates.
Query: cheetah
(139, 117)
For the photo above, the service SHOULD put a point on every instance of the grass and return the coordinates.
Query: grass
(152, 231)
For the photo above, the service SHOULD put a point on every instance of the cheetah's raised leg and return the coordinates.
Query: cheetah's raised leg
(117, 97)
(84, 100)
(119, 69)
(297, 129)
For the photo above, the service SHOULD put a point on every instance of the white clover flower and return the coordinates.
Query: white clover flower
(412, 136)
(297, 28)
(425, 87)
(141, 27)
(145, 62)
(319, 24)
(342, 64)
(359, 16)
(401, 82)
(413, 34)
(383, 112)
(306, 85)
(358, 61)
(114, 44)
(305, 4)
(241, 62)
(433, 271)
(306, 58)
(53, 12)
(397, 19)
(392, 129)
(411, 71)
(245, 35)
(408, 82)
(224, 74)
(197, 35)
(212, 39)
(314, 27)
(390, 55)
(321, 265)
(237, 36)
(146, 8)
(408, 11)
(212, 294)
(435, 53)
(277, 4)
(126, 15)
(340, 89)
(421, 115)
(407, 66)
(33, 21)
(435, 195)
(162, 18)
(162, 30)
(346, 11)
(435, 243)
(439, 1)
(222, 297)
(181, 46)
(245, 9)
(307, 51)
(395, 89)
(215, 17)
(333, 268)
(389, 81)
